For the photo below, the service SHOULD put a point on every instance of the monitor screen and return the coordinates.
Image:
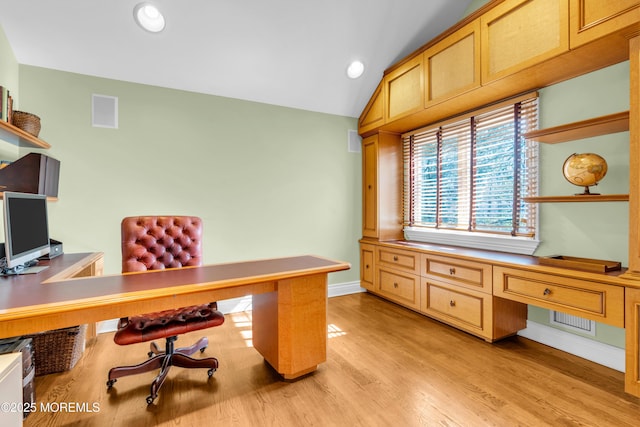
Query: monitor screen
(26, 228)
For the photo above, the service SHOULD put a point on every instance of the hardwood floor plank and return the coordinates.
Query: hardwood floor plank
(386, 365)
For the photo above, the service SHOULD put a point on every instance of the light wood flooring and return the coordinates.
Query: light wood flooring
(386, 366)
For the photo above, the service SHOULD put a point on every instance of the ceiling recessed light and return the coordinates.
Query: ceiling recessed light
(355, 69)
(149, 17)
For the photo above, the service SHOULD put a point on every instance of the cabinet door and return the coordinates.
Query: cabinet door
(370, 186)
(632, 333)
(518, 34)
(452, 66)
(592, 19)
(404, 89)
(382, 186)
(373, 114)
(367, 266)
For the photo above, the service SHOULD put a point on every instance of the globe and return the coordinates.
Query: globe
(584, 170)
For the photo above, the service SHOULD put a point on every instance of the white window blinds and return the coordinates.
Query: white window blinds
(472, 174)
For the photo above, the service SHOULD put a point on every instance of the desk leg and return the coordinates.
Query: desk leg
(632, 333)
(290, 325)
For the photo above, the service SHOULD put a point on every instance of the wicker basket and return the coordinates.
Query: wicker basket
(28, 122)
(58, 350)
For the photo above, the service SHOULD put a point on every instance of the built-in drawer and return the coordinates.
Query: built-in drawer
(399, 287)
(397, 258)
(584, 298)
(473, 275)
(460, 307)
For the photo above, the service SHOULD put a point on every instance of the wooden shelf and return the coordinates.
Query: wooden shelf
(17, 136)
(579, 198)
(612, 123)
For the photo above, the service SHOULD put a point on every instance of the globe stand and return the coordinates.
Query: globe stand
(587, 192)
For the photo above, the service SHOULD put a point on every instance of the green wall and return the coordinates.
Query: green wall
(268, 181)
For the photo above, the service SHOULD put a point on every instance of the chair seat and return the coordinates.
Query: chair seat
(163, 324)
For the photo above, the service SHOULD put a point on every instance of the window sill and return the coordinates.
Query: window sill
(517, 245)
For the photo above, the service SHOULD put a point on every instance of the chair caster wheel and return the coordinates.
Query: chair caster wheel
(203, 349)
(149, 400)
(210, 372)
(150, 354)
(110, 383)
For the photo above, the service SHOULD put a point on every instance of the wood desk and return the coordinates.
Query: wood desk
(289, 302)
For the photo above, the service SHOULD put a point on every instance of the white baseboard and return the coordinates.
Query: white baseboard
(236, 305)
(603, 354)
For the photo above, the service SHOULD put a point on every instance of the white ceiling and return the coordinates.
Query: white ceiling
(292, 53)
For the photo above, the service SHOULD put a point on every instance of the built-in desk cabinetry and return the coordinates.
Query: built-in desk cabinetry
(456, 291)
(505, 48)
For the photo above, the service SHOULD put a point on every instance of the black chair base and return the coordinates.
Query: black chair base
(163, 360)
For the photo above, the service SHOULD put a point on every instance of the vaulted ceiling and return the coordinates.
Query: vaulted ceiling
(292, 53)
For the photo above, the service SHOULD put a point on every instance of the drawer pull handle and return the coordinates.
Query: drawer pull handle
(395, 285)
(366, 266)
(452, 303)
(395, 258)
(547, 291)
(452, 271)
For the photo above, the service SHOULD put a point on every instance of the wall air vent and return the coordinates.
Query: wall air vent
(104, 111)
(572, 323)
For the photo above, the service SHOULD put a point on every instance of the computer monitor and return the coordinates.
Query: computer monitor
(26, 229)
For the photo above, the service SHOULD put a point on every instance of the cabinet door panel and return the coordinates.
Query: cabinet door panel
(373, 114)
(404, 89)
(370, 187)
(452, 66)
(592, 19)
(367, 266)
(520, 33)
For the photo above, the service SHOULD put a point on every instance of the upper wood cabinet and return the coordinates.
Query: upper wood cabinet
(381, 178)
(404, 89)
(592, 19)
(517, 34)
(452, 66)
(503, 49)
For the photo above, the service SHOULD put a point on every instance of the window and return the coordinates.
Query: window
(465, 180)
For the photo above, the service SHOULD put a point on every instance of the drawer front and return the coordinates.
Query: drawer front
(462, 308)
(399, 287)
(473, 275)
(399, 259)
(591, 300)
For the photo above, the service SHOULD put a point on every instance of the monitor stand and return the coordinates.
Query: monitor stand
(30, 267)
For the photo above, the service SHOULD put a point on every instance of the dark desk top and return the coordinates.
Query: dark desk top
(21, 292)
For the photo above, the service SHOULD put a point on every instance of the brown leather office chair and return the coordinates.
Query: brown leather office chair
(155, 243)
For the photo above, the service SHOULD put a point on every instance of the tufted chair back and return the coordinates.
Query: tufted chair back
(158, 242)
